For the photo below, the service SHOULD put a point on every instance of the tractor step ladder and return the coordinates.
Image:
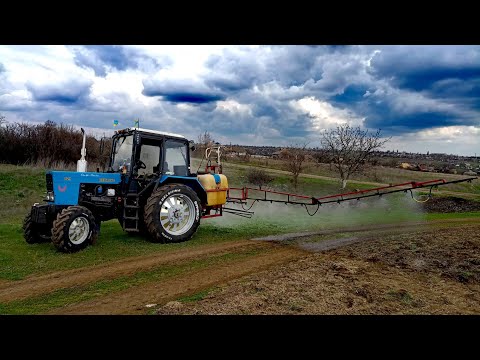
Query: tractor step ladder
(131, 213)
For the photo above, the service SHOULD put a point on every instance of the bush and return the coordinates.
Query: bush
(258, 177)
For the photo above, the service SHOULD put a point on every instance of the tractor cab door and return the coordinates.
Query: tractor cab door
(147, 166)
(176, 161)
(149, 155)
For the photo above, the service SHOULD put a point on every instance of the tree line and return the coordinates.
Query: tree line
(47, 144)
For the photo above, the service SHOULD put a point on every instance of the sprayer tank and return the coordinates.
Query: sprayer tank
(216, 186)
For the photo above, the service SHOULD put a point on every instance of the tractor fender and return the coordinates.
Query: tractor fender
(191, 182)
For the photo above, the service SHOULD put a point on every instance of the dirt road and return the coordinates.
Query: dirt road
(404, 268)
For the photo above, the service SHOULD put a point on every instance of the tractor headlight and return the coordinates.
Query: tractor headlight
(50, 196)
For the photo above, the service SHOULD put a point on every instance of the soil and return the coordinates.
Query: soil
(450, 204)
(430, 272)
(137, 301)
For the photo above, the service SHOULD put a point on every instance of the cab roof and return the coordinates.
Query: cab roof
(151, 132)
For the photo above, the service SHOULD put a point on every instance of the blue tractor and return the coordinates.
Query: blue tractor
(149, 188)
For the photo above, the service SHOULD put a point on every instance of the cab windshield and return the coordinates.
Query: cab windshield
(122, 155)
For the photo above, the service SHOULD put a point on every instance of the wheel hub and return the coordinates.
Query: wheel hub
(78, 230)
(175, 214)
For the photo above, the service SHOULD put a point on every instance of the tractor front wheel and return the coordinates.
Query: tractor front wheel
(30, 231)
(74, 229)
(172, 214)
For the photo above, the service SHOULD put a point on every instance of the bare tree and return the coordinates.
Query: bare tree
(3, 120)
(205, 139)
(350, 148)
(294, 158)
(258, 177)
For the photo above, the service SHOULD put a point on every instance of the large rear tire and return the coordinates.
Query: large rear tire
(74, 229)
(172, 214)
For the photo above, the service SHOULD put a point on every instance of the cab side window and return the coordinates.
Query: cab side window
(150, 155)
(175, 158)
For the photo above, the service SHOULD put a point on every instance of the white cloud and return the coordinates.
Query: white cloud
(462, 140)
(233, 107)
(324, 115)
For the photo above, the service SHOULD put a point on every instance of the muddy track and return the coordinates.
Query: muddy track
(42, 284)
(134, 302)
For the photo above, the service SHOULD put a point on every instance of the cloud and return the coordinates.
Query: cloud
(102, 58)
(233, 70)
(67, 92)
(324, 115)
(251, 94)
(181, 91)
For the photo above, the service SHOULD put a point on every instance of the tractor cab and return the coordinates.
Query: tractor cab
(142, 155)
(142, 152)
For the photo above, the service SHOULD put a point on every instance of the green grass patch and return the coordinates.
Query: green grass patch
(196, 297)
(20, 259)
(20, 187)
(454, 215)
(63, 297)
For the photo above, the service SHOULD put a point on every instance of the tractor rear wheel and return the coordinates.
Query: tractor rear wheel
(172, 214)
(74, 229)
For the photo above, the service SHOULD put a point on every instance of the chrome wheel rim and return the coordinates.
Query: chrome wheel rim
(78, 230)
(177, 214)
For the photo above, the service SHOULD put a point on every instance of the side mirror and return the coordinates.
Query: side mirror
(192, 145)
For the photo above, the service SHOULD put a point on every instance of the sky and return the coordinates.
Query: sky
(426, 98)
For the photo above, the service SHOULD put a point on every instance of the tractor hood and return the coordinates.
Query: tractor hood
(65, 185)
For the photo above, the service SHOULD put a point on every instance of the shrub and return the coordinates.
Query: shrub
(258, 177)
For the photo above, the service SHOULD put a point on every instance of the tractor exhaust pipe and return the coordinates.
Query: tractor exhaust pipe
(82, 163)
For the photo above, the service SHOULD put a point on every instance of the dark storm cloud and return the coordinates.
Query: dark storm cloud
(189, 97)
(70, 92)
(181, 91)
(420, 67)
(101, 57)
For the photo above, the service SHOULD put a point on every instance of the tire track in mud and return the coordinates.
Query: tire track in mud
(134, 301)
(38, 285)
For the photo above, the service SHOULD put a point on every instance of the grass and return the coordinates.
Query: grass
(196, 297)
(20, 259)
(456, 215)
(21, 186)
(63, 297)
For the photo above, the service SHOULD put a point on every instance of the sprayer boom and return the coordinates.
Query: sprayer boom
(247, 193)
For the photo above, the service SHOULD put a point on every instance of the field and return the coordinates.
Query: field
(379, 256)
